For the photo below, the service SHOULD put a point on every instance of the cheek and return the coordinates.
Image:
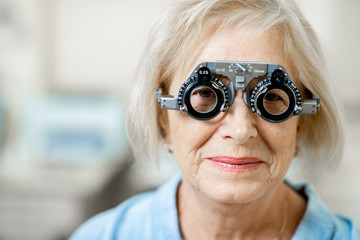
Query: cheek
(184, 129)
(280, 137)
(281, 140)
(187, 136)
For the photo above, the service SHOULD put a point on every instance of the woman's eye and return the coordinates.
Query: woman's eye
(272, 97)
(276, 101)
(203, 99)
(205, 93)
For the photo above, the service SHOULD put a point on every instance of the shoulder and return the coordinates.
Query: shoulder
(319, 222)
(123, 218)
(139, 217)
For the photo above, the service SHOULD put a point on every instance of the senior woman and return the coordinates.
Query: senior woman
(239, 84)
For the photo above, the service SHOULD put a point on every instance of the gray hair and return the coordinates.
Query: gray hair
(177, 32)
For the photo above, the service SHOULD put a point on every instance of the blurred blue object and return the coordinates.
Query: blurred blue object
(76, 130)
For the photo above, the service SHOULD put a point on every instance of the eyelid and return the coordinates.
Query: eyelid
(277, 96)
(205, 91)
(199, 89)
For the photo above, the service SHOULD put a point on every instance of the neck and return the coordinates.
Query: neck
(204, 218)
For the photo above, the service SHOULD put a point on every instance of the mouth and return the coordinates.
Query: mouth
(235, 164)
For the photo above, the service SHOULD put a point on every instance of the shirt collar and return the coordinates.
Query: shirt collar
(317, 222)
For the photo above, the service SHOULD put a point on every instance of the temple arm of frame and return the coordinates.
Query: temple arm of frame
(310, 107)
(167, 102)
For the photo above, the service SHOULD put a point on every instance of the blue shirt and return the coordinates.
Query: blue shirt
(153, 215)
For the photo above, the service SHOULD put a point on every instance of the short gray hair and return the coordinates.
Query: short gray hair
(178, 31)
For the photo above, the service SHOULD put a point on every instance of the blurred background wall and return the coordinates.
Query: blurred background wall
(66, 67)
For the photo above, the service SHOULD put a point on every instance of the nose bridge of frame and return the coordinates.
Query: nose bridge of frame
(239, 104)
(240, 75)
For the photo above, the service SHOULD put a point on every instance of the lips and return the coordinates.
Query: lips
(235, 164)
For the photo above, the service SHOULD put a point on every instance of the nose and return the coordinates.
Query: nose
(239, 123)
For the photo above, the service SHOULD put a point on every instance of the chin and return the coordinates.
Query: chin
(240, 192)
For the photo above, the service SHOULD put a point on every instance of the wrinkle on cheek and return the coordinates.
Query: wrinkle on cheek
(279, 166)
(271, 170)
(196, 167)
(188, 149)
(282, 145)
(197, 138)
(205, 135)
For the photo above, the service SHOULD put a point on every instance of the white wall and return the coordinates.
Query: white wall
(337, 25)
(98, 43)
(93, 46)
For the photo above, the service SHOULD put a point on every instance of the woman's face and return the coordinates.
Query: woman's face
(236, 157)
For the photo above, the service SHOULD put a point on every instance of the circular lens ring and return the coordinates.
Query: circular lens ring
(185, 98)
(259, 103)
